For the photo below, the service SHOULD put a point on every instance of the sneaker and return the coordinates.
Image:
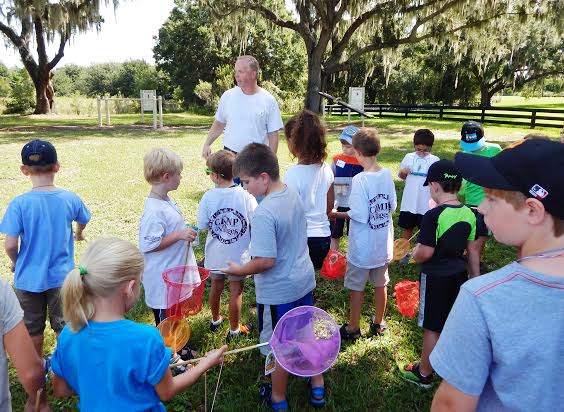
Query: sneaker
(410, 373)
(213, 327)
(244, 330)
(346, 335)
(378, 329)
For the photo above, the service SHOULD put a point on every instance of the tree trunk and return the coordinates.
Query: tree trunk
(485, 97)
(312, 98)
(42, 103)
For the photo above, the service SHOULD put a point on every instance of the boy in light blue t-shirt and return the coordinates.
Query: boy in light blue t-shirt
(41, 220)
(284, 274)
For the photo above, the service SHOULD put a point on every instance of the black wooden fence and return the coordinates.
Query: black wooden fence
(525, 117)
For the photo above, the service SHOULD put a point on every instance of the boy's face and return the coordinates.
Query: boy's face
(172, 181)
(257, 186)
(347, 148)
(422, 150)
(507, 224)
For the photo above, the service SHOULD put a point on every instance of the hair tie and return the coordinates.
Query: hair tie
(82, 270)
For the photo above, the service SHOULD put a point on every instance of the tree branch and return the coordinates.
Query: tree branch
(39, 33)
(60, 52)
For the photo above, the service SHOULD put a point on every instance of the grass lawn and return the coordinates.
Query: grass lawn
(104, 166)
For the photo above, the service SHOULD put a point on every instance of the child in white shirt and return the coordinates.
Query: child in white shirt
(225, 212)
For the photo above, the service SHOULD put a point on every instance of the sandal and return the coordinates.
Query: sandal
(346, 335)
(265, 393)
(186, 353)
(378, 329)
(316, 395)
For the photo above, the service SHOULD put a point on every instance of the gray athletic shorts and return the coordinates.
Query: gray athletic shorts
(356, 278)
(221, 275)
(36, 305)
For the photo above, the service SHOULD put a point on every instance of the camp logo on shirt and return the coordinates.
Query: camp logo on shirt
(227, 225)
(379, 213)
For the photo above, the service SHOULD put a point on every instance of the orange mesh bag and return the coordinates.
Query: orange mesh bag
(184, 290)
(407, 297)
(175, 332)
(401, 248)
(334, 265)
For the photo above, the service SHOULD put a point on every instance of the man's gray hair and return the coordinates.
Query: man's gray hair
(252, 62)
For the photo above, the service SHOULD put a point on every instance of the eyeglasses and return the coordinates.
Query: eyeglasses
(426, 150)
(209, 172)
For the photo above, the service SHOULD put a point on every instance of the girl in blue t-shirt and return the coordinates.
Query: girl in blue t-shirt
(111, 363)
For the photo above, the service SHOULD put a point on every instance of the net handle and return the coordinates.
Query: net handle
(230, 352)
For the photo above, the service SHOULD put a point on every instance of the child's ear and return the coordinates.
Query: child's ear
(24, 170)
(536, 213)
(56, 167)
(129, 288)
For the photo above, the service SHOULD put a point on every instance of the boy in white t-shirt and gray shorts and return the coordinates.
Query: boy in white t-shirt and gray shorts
(225, 212)
(372, 202)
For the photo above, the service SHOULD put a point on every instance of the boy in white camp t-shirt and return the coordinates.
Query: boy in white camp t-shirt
(372, 202)
(413, 169)
(225, 212)
(164, 239)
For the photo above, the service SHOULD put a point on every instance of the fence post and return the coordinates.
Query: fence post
(483, 116)
(160, 112)
(99, 105)
(107, 104)
(406, 111)
(533, 118)
(441, 112)
(380, 111)
(154, 113)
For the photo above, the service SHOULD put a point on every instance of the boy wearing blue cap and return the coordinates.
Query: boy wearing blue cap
(345, 166)
(41, 220)
(501, 347)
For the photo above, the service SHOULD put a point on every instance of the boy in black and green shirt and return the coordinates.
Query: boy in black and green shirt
(447, 231)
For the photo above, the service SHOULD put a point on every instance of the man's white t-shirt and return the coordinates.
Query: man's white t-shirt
(161, 218)
(226, 214)
(371, 235)
(416, 197)
(247, 118)
(312, 182)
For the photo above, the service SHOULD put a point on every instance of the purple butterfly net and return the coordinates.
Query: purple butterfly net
(306, 341)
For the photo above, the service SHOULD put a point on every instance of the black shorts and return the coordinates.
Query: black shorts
(318, 249)
(408, 220)
(481, 228)
(436, 297)
(338, 225)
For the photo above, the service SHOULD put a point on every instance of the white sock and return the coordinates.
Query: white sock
(217, 322)
(236, 331)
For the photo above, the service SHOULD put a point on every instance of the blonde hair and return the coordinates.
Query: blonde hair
(105, 264)
(159, 161)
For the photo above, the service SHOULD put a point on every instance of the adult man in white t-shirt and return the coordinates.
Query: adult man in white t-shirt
(246, 113)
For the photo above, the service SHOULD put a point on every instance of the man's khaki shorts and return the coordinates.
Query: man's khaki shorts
(36, 305)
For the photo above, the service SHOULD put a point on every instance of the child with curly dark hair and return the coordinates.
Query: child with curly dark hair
(312, 179)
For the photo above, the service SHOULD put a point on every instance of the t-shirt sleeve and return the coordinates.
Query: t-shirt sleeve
(82, 214)
(263, 236)
(464, 341)
(12, 224)
(274, 121)
(158, 358)
(220, 115)
(57, 360)
(406, 162)
(10, 311)
(328, 174)
(358, 202)
(151, 231)
(428, 230)
(333, 167)
(203, 216)
(472, 235)
(251, 204)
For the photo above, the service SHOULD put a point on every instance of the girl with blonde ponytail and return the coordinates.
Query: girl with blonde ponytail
(111, 363)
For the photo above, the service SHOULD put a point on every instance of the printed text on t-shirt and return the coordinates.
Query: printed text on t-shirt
(379, 215)
(227, 225)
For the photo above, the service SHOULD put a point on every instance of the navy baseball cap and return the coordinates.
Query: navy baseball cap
(348, 133)
(39, 153)
(472, 136)
(534, 168)
(443, 171)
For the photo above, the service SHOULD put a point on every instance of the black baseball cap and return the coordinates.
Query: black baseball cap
(472, 136)
(534, 168)
(443, 171)
(39, 153)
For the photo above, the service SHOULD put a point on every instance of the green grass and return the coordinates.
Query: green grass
(104, 166)
(529, 102)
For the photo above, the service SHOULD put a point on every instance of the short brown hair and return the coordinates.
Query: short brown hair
(452, 187)
(41, 170)
(517, 200)
(254, 159)
(366, 141)
(423, 136)
(221, 162)
(306, 137)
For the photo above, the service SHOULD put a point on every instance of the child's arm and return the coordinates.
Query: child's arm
(78, 236)
(422, 253)
(11, 246)
(60, 387)
(473, 248)
(170, 386)
(330, 199)
(403, 173)
(187, 234)
(338, 215)
(256, 265)
(450, 399)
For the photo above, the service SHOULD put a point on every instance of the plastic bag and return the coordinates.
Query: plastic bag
(407, 297)
(334, 265)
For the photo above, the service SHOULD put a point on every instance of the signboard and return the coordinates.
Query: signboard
(356, 97)
(147, 100)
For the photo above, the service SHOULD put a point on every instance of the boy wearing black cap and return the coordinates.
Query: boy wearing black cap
(501, 348)
(473, 141)
(42, 221)
(446, 232)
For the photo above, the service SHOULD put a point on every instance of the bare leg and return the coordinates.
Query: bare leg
(356, 301)
(380, 301)
(279, 384)
(481, 245)
(407, 233)
(38, 344)
(317, 381)
(334, 244)
(430, 340)
(215, 297)
(235, 303)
